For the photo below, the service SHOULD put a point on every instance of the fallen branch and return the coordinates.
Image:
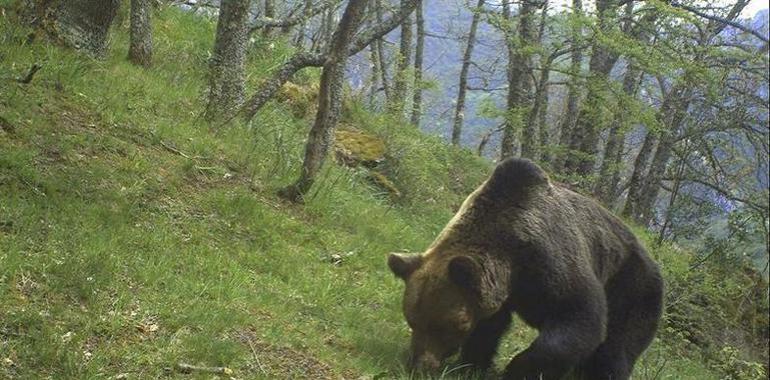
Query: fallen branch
(189, 368)
(30, 74)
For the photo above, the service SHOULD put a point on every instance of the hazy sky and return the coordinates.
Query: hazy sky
(748, 12)
(753, 7)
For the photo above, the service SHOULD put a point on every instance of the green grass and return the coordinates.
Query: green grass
(120, 256)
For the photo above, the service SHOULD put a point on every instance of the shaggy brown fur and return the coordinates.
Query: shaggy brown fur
(567, 266)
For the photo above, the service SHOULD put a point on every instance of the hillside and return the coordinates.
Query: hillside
(134, 237)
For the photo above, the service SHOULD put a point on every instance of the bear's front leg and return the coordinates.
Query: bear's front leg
(561, 345)
(481, 346)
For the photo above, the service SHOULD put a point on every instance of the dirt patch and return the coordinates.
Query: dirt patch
(281, 362)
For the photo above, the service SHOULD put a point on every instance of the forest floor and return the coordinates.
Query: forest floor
(133, 237)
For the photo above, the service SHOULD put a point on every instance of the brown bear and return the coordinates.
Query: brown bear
(563, 263)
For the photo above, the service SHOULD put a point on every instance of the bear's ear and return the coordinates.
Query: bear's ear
(402, 265)
(465, 272)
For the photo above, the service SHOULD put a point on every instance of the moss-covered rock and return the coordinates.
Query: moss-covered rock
(353, 148)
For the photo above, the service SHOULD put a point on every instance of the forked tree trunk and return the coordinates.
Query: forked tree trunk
(462, 87)
(418, 58)
(140, 49)
(329, 101)
(227, 65)
(81, 24)
(301, 60)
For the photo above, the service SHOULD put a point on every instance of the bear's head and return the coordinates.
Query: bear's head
(443, 300)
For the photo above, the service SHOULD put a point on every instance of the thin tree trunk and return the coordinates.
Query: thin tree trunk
(227, 65)
(381, 55)
(418, 58)
(81, 24)
(269, 12)
(329, 101)
(568, 121)
(519, 102)
(457, 125)
(375, 77)
(140, 50)
(403, 62)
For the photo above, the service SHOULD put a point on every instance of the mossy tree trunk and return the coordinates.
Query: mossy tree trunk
(140, 49)
(81, 24)
(227, 65)
(329, 101)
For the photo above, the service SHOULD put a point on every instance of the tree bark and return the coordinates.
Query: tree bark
(519, 102)
(641, 164)
(81, 24)
(585, 138)
(568, 121)
(140, 49)
(609, 173)
(301, 60)
(227, 65)
(462, 87)
(418, 58)
(329, 101)
(403, 62)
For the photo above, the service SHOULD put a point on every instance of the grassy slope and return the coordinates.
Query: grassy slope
(119, 256)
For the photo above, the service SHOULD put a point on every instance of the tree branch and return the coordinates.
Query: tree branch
(721, 20)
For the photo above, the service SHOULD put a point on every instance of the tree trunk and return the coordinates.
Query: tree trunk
(329, 101)
(81, 24)
(641, 164)
(519, 101)
(380, 46)
(536, 134)
(644, 187)
(226, 68)
(462, 87)
(609, 174)
(418, 58)
(568, 121)
(585, 139)
(403, 62)
(140, 50)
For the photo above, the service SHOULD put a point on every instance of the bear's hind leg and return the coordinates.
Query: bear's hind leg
(635, 304)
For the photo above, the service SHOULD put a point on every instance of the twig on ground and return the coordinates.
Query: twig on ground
(188, 368)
